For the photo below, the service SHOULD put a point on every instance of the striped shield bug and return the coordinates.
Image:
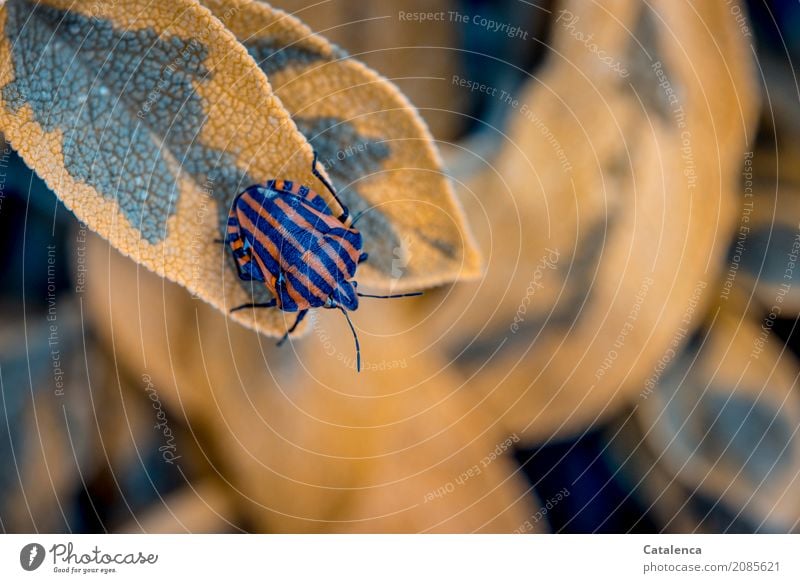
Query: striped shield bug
(285, 235)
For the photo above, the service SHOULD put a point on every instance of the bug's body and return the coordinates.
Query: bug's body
(285, 235)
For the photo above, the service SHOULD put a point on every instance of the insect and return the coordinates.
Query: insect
(285, 235)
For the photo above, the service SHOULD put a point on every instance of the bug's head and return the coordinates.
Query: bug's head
(346, 296)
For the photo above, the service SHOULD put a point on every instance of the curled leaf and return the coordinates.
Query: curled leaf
(613, 202)
(146, 120)
(722, 422)
(373, 144)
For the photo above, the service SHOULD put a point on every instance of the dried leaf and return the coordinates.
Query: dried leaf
(146, 119)
(303, 442)
(722, 421)
(373, 144)
(612, 205)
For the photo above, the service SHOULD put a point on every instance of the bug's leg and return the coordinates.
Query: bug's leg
(300, 316)
(242, 275)
(269, 304)
(234, 240)
(241, 258)
(329, 186)
(219, 241)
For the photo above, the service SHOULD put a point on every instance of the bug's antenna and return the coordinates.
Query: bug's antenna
(409, 295)
(355, 337)
(323, 180)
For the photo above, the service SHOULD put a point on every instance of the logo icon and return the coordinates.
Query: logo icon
(401, 257)
(31, 556)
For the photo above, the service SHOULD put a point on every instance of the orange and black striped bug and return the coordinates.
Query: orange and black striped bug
(285, 235)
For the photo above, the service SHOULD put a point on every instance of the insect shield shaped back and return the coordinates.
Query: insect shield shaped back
(283, 236)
